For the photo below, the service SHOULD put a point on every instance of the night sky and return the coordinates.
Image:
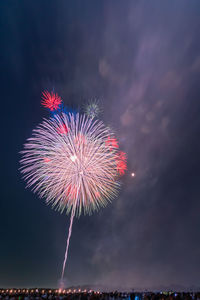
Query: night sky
(142, 59)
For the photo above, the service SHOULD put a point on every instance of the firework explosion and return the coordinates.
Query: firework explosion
(68, 162)
(73, 162)
(92, 109)
(51, 100)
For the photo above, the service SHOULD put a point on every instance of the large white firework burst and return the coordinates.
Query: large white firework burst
(67, 161)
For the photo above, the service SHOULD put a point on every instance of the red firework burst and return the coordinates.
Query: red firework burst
(63, 129)
(46, 159)
(121, 163)
(112, 142)
(51, 100)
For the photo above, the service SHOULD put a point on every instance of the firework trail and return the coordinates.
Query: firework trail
(68, 239)
(72, 161)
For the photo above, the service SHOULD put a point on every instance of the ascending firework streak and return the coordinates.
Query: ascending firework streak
(74, 162)
(67, 247)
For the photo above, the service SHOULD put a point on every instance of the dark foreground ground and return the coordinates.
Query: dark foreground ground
(24, 294)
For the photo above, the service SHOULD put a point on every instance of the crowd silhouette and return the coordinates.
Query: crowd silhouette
(94, 295)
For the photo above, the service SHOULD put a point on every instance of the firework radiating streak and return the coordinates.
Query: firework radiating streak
(68, 239)
(71, 168)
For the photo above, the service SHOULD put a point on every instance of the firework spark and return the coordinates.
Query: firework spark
(51, 100)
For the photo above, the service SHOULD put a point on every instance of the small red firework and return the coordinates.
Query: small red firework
(112, 143)
(121, 167)
(121, 163)
(63, 129)
(97, 194)
(51, 100)
(122, 155)
(46, 159)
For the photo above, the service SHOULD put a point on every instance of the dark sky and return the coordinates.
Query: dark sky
(142, 58)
